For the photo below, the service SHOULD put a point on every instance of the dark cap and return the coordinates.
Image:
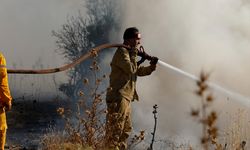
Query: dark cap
(131, 32)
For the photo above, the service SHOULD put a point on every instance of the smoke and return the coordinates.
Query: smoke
(193, 36)
(26, 29)
(27, 43)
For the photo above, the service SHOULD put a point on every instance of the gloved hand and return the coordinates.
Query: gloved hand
(154, 60)
(141, 54)
(144, 55)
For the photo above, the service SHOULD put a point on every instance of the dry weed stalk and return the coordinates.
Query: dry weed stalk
(85, 126)
(136, 139)
(153, 133)
(141, 136)
(205, 117)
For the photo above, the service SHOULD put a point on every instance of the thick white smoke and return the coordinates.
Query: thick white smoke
(191, 35)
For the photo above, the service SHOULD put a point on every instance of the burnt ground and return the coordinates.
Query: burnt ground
(29, 120)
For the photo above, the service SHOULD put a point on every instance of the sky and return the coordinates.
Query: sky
(26, 28)
(192, 35)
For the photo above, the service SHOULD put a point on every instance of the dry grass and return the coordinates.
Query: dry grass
(56, 141)
(236, 135)
(85, 126)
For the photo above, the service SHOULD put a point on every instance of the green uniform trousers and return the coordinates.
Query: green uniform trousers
(119, 125)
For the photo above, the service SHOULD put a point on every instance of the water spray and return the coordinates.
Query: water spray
(240, 98)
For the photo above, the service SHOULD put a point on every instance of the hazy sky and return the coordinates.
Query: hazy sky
(26, 25)
(26, 39)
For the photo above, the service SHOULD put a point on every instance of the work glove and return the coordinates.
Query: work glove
(143, 55)
(154, 60)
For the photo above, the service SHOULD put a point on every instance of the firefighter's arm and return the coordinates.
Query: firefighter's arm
(5, 96)
(126, 60)
(144, 71)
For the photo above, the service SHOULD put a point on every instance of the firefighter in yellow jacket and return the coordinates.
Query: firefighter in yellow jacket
(122, 89)
(5, 100)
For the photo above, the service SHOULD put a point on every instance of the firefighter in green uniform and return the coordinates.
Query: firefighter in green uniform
(122, 89)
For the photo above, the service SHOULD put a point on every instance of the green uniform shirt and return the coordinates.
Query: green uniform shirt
(124, 72)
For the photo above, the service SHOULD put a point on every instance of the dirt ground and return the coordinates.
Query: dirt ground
(29, 120)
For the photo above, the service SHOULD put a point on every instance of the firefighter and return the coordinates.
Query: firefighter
(122, 88)
(5, 100)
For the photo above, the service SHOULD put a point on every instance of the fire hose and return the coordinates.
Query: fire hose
(91, 53)
(94, 51)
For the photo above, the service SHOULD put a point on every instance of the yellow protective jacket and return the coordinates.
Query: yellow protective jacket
(124, 72)
(5, 97)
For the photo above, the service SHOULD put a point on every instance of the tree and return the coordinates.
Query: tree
(80, 34)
